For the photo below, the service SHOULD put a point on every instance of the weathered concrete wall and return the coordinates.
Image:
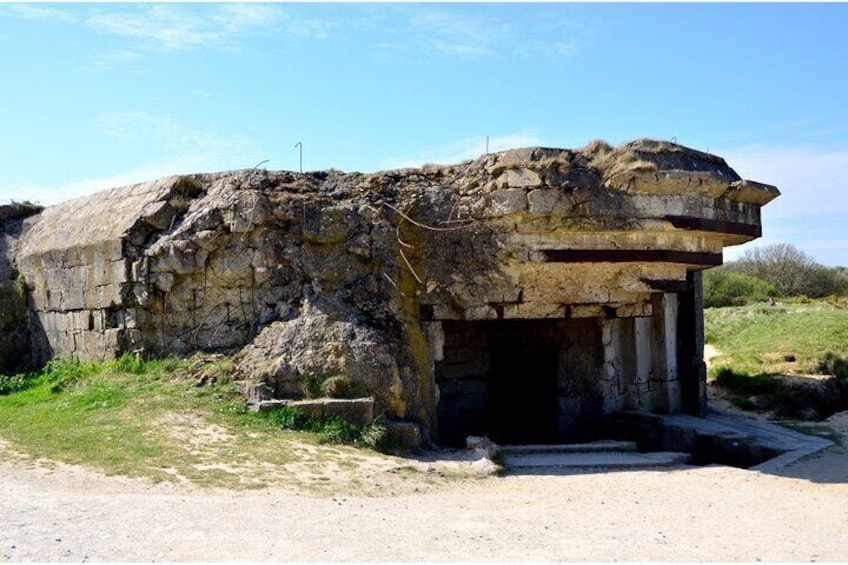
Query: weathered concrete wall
(322, 274)
(77, 257)
(15, 349)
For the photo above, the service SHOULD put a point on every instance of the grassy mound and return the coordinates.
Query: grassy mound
(791, 337)
(166, 420)
(764, 348)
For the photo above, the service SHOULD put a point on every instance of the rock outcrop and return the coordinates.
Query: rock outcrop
(373, 276)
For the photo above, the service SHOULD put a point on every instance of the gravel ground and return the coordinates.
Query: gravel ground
(64, 513)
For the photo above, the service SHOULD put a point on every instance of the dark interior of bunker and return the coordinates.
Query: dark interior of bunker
(519, 381)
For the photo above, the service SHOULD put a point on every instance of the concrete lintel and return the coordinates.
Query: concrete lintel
(630, 256)
(715, 226)
(666, 285)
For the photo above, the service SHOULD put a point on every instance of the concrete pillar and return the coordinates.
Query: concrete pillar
(644, 344)
(611, 372)
(690, 346)
(665, 366)
(435, 334)
(625, 370)
(640, 387)
(435, 340)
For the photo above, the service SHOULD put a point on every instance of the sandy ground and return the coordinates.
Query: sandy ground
(64, 513)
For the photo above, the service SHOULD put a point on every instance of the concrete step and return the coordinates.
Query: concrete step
(596, 461)
(602, 446)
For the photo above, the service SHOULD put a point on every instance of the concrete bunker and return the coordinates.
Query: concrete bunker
(527, 294)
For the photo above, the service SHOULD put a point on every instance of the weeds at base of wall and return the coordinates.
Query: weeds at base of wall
(10, 384)
(330, 429)
(60, 374)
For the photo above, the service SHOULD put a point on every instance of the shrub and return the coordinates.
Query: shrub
(311, 387)
(792, 271)
(337, 430)
(128, 363)
(10, 384)
(20, 285)
(376, 436)
(723, 287)
(833, 364)
(805, 401)
(743, 383)
(60, 373)
(290, 419)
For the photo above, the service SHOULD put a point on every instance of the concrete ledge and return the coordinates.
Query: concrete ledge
(591, 447)
(720, 438)
(796, 444)
(357, 411)
(596, 460)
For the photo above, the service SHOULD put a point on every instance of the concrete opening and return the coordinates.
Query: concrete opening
(522, 386)
(519, 381)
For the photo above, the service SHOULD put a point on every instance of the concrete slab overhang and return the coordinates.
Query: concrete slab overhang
(605, 227)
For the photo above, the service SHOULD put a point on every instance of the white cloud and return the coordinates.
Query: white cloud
(558, 38)
(545, 32)
(179, 27)
(40, 12)
(54, 193)
(462, 150)
(171, 27)
(190, 162)
(160, 25)
(454, 35)
(237, 17)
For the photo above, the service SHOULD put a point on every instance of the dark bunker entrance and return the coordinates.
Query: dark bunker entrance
(519, 381)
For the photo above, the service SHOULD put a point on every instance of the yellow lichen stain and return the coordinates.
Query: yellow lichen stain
(418, 349)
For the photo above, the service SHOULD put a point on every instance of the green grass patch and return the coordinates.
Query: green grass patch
(792, 336)
(151, 419)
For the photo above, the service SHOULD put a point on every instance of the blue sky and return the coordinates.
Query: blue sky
(101, 95)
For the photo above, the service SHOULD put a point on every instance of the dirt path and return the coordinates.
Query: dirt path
(689, 513)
